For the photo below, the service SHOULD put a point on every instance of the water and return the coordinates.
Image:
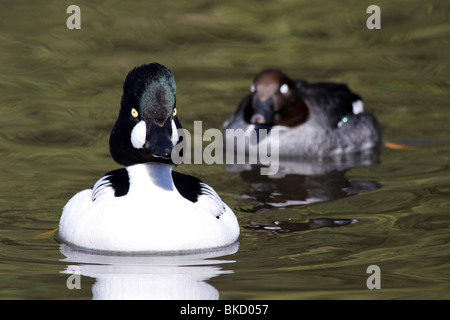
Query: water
(61, 90)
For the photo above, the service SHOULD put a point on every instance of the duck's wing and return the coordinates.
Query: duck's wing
(332, 101)
(116, 182)
(194, 190)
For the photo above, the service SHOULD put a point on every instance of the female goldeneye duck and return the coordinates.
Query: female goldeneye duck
(313, 119)
(146, 206)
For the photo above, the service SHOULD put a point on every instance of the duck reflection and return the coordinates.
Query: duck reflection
(279, 227)
(300, 181)
(170, 277)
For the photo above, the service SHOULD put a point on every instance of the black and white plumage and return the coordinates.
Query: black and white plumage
(146, 206)
(312, 119)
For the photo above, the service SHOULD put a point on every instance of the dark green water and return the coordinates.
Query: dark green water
(60, 91)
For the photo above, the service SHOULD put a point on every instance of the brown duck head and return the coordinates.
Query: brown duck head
(275, 101)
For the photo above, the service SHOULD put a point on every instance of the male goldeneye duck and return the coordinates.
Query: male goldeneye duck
(312, 119)
(146, 206)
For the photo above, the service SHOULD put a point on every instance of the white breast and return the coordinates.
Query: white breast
(153, 216)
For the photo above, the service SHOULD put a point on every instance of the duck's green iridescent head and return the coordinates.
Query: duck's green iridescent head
(146, 128)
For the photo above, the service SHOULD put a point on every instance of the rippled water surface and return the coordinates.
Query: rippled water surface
(309, 232)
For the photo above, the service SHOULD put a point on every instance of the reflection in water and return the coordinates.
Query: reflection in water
(285, 226)
(300, 182)
(171, 277)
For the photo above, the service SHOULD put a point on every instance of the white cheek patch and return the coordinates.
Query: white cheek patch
(139, 135)
(175, 135)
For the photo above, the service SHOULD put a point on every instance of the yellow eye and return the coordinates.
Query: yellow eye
(134, 113)
(174, 112)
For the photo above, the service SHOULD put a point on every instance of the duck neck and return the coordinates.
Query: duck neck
(297, 113)
(156, 173)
